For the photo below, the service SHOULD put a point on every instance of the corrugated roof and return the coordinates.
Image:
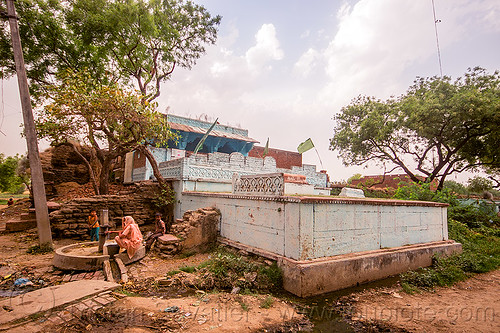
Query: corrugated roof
(193, 129)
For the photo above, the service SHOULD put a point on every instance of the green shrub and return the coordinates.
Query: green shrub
(481, 253)
(229, 269)
(267, 302)
(423, 192)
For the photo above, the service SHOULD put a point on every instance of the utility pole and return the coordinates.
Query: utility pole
(37, 183)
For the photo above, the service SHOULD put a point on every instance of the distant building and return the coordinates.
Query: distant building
(284, 159)
(391, 182)
(226, 151)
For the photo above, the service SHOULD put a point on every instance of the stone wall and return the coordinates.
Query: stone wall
(61, 164)
(197, 229)
(71, 219)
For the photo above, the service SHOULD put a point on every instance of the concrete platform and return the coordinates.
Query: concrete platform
(46, 299)
(22, 225)
(323, 275)
(65, 259)
(318, 276)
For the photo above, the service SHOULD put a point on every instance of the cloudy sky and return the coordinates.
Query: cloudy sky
(283, 68)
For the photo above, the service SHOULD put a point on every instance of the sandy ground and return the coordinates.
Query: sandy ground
(218, 312)
(211, 312)
(469, 306)
(13, 249)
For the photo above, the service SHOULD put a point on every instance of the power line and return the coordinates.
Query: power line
(437, 39)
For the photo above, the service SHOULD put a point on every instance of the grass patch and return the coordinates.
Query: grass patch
(187, 254)
(127, 293)
(173, 272)
(7, 196)
(267, 302)
(188, 269)
(228, 269)
(481, 253)
(37, 249)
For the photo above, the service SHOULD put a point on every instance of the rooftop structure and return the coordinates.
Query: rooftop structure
(223, 138)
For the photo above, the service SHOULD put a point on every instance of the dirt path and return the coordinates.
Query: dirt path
(469, 306)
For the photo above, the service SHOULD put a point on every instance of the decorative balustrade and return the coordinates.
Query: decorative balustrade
(267, 184)
(221, 167)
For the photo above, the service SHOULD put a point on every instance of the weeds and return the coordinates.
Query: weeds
(40, 249)
(481, 253)
(128, 293)
(187, 254)
(244, 305)
(267, 302)
(227, 270)
(188, 269)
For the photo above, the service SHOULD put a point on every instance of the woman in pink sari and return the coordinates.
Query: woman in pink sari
(130, 238)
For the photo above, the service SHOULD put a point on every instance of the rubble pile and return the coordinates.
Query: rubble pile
(197, 229)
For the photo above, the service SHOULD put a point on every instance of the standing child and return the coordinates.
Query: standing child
(94, 226)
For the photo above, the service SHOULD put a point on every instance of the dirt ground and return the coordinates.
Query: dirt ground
(469, 306)
(219, 311)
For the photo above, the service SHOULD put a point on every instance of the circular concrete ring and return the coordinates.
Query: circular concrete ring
(63, 259)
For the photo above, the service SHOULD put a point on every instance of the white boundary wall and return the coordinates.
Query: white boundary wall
(309, 227)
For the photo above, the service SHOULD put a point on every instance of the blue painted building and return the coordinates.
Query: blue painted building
(222, 139)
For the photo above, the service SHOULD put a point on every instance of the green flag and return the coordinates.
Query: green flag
(266, 149)
(200, 144)
(305, 146)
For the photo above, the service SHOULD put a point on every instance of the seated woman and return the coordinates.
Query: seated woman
(130, 238)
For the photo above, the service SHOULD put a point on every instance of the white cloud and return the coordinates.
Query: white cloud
(219, 69)
(306, 63)
(267, 48)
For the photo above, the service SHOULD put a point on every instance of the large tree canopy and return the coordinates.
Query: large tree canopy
(133, 41)
(110, 119)
(439, 127)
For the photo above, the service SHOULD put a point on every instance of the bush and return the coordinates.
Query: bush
(229, 270)
(472, 216)
(37, 249)
(481, 253)
(423, 192)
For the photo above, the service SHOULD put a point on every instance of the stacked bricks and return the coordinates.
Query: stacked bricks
(71, 219)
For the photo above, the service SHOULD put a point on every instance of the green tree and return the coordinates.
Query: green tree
(136, 42)
(437, 128)
(9, 180)
(356, 176)
(455, 187)
(110, 119)
(479, 184)
(126, 43)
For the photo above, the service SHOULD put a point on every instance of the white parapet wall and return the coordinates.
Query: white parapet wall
(303, 228)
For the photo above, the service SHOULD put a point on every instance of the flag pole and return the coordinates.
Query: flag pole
(322, 167)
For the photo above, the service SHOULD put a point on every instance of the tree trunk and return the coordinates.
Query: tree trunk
(156, 170)
(104, 176)
(89, 168)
